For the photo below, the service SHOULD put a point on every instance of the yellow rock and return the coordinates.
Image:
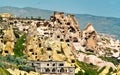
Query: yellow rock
(9, 39)
(105, 71)
(118, 70)
(6, 15)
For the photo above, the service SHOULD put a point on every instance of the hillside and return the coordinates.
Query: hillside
(107, 25)
(58, 45)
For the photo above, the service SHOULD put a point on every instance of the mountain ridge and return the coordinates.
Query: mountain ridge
(53, 11)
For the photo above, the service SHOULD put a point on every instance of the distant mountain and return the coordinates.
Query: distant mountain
(26, 12)
(107, 25)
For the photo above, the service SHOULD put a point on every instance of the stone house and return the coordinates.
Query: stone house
(51, 67)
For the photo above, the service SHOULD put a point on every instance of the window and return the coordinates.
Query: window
(53, 64)
(53, 70)
(39, 44)
(46, 33)
(47, 64)
(5, 42)
(93, 37)
(61, 39)
(67, 40)
(72, 29)
(73, 61)
(62, 70)
(75, 39)
(58, 36)
(68, 23)
(36, 57)
(1, 41)
(59, 52)
(49, 57)
(47, 70)
(68, 44)
(33, 53)
(24, 29)
(32, 64)
(31, 50)
(70, 36)
(84, 45)
(6, 51)
(61, 64)
(49, 48)
(51, 33)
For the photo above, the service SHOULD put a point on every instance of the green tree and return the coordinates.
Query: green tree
(19, 47)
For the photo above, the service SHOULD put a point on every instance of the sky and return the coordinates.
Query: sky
(109, 8)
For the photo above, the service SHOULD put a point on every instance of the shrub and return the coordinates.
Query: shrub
(89, 69)
(26, 68)
(114, 60)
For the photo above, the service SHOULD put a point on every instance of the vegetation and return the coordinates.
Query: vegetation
(4, 71)
(13, 62)
(19, 47)
(89, 69)
(88, 53)
(31, 17)
(26, 68)
(39, 18)
(10, 59)
(114, 60)
(16, 34)
(2, 65)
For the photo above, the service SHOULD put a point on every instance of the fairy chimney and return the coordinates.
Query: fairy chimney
(90, 36)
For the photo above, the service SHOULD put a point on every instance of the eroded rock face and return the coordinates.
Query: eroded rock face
(53, 39)
(59, 38)
(8, 39)
(94, 60)
(108, 46)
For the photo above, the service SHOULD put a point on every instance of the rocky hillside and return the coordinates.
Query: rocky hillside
(106, 25)
(58, 39)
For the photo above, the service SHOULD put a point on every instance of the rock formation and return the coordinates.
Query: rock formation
(59, 39)
(8, 40)
(90, 36)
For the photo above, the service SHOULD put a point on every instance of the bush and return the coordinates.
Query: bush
(26, 68)
(89, 69)
(2, 65)
(114, 60)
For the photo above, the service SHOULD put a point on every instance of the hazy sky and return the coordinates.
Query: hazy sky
(109, 8)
